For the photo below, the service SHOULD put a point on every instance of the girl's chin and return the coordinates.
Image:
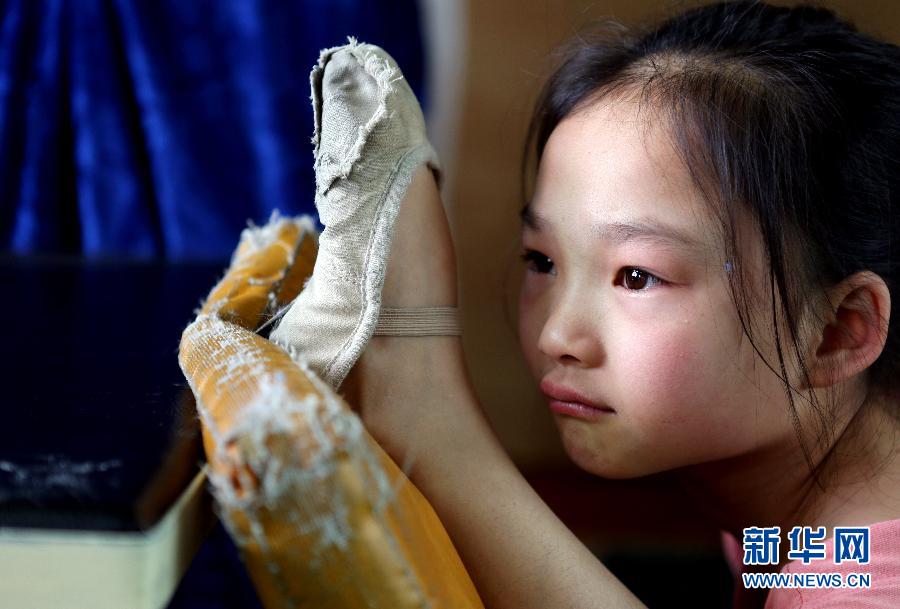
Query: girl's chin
(599, 457)
(599, 462)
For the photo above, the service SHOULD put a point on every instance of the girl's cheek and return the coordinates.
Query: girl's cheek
(533, 286)
(668, 373)
(530, 324)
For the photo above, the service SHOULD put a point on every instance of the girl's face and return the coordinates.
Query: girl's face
(626, 301)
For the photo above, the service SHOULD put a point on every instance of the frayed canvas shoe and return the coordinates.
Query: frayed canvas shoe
(369, 141)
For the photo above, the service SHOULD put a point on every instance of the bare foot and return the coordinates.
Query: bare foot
(421, 267)
(395, 372)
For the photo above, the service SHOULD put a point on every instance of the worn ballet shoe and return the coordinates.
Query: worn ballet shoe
(369, 140)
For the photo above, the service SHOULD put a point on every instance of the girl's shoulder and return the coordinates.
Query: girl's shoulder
(866, 574)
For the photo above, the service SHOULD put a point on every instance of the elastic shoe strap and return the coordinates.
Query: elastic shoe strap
(424, 321)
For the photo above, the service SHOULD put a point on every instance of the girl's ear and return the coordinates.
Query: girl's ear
(854, 333)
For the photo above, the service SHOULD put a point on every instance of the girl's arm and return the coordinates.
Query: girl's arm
(427, 417)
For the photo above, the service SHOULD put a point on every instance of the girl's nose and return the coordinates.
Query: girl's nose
(570, 334)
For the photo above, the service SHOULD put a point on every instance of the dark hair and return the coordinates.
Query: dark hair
(790, 113)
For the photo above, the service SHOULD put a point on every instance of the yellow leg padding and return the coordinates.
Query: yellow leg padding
(322, 515)
(267, 270)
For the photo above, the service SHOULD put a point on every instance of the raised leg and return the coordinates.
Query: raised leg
(416, 399)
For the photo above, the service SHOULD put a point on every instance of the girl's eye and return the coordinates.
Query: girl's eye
(637, 280)
(537, 262)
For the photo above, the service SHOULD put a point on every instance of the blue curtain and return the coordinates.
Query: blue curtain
(157, 128)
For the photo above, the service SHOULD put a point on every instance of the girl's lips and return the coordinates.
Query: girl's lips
(565, 400)
(581, 411)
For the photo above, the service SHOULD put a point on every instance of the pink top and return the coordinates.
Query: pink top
(884, 567)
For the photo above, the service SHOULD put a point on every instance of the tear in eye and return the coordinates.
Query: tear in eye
(537, 262)
(637, 280)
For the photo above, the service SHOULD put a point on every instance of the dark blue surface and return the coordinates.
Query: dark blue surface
(99, 430)
(157, 128)
(216, 579)
(96, 410)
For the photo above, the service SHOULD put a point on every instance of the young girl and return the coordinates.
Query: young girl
(708, 290)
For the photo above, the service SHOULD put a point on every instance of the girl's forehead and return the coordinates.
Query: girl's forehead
(612, 161)
(623, 139)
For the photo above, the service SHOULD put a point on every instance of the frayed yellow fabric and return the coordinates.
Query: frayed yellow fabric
(267, 271)
(323, 517)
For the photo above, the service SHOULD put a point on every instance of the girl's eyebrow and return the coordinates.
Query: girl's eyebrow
(649, 230)
(646, 229)
(530, 219)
